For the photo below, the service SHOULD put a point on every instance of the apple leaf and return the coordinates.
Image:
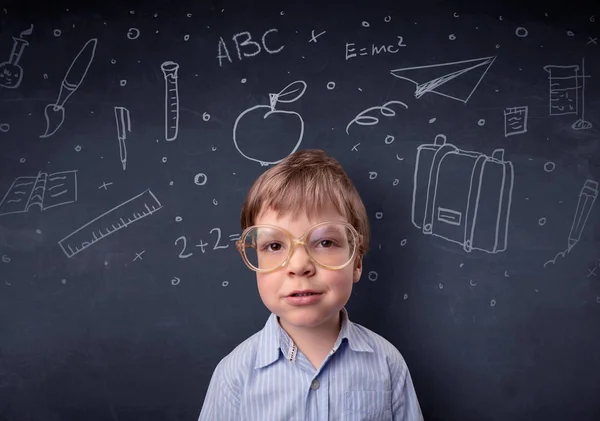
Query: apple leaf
(290, 92)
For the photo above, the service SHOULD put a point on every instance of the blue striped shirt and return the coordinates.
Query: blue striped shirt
(266, 378)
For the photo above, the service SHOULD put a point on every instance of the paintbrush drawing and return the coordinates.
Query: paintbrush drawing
(55, 113)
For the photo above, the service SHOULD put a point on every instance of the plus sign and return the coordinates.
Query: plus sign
(104, 185)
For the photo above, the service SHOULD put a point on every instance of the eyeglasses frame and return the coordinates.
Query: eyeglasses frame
(240, 245)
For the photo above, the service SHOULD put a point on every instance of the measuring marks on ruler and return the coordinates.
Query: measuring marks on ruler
(121, 216)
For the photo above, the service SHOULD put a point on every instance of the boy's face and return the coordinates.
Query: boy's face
(302, 273)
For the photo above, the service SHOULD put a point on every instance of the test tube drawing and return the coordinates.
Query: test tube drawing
(564, 92)
(169, 69)
(11, 73)
(123, 126)
(587, 197)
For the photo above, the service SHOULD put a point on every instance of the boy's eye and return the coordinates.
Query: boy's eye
(326, 243)
(271, 247)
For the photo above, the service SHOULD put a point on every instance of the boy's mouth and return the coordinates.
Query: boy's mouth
(303, 293)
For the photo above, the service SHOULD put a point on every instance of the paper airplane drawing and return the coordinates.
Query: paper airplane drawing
(456, 80)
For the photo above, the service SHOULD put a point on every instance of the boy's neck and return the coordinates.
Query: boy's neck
(315, 342)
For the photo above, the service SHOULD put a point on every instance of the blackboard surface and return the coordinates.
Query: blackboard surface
(130, 134)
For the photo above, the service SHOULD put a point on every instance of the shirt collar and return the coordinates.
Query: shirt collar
(273, 339)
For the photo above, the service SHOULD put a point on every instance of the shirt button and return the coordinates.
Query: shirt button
(314, 385)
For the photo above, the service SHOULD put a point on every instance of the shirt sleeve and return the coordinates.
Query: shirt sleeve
(221, 402)
(405, 405)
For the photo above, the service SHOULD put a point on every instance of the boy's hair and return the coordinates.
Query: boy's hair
(308, 180)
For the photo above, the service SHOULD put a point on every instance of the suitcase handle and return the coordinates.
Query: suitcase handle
(440, 139)
(498, 154)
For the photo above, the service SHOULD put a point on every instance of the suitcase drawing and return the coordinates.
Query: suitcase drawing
(463, 196)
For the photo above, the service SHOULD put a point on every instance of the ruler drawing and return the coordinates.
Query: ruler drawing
(121, 216)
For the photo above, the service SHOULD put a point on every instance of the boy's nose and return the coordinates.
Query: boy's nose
(300, 262)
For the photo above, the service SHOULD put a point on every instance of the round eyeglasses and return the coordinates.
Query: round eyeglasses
(265, 248)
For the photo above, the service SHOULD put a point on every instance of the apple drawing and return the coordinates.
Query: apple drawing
(264, 130)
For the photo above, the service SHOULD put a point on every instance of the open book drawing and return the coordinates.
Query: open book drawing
(44, 190)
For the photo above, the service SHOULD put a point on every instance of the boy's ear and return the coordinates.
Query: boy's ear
(357, 270)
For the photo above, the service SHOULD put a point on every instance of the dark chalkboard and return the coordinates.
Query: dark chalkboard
(130, 135)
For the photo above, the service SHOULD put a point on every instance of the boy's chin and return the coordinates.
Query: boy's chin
(305, 321)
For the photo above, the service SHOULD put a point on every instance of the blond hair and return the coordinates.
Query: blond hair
(308, 180)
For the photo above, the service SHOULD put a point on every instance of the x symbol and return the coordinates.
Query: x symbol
(139, 255)
(314, 37)
(592, 271)
(593, 40)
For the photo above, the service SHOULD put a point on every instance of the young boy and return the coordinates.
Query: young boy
(305, 233)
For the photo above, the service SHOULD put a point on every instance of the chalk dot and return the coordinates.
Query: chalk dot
(405, 296)
(46, 76)
(592, 19)
(186, 37)
(330, 85)
(214, 148)
(570, 33)
(396, 182)
(493, 302)
(106, 263)
(132, 12)
(389, 139)
(200, 179)
(175, 281)
(22, 160)
(215, 202)
(500, 17)
(64, 281)
(224, 283)
(4, 127)
(57, 32)
(282, 13)
(365, 24)
(170, 183)
(78, 148)
(38, 231)
(164, 159)
(521, 32)
(243, 80)
(441, 286)
(549, 166)
(133, 33)
(481, 122)
(372, 276)
(206, 116)
(598, 299)
(461, 265)
(451, 37)
(113, 61)
(432, 120)
(178, 219)
(378, 215)
(387, 19)
(542, 221)
(123, 82)
(189, 15)
(497, 45)
(472, 283)
(372, 175)
(403, 242)
(360, 89)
